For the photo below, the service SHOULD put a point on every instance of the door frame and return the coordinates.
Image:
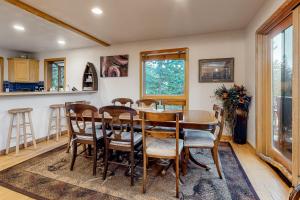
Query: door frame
(47, 82)
(277, 155)
(263, 90)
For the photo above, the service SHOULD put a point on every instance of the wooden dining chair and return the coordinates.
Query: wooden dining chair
(163, 144)
(119, 139)
(205, 139)
(82, 133)
(169, 103)
(69, 129)
(295, 194)
(123, 101)
(147, 103)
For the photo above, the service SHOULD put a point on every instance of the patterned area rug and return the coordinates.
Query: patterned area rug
(48, 177)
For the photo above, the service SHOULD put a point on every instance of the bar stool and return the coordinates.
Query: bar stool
(55, 116)
(17, 114)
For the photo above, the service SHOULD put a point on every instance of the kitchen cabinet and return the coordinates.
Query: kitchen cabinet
(23, 70)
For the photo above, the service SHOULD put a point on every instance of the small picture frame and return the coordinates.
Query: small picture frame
(216, 70)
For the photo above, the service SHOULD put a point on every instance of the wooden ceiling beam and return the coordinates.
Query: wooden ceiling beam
(43, 15)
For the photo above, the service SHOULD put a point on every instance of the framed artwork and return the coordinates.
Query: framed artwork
(114, 66)
(216, 70)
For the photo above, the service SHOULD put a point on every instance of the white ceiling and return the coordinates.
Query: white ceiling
(39, 35)
(129, 20)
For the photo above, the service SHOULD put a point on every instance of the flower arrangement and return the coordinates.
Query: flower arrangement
(235, 102)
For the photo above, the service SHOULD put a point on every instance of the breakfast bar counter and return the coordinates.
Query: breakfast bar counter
(40, 103)
(3, 94)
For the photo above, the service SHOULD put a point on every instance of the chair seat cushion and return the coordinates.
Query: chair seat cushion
(163, 147)
(196, 138)
(126, 136)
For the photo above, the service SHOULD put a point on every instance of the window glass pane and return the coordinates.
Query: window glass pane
(54, 82)
(164, 77)
(62, 76)
(282, 61)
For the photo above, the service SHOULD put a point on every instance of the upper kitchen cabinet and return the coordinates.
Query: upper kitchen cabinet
(23, 70)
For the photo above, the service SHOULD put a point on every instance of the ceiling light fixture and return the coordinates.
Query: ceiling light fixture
(19, 27)
(96, 11)
(61, 42)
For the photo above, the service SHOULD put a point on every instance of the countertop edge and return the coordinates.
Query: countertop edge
(9, 94)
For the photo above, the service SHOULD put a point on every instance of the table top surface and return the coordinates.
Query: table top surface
(189, 116)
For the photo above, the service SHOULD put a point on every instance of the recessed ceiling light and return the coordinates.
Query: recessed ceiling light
(97, 11)
(61, 42)
(19, 27)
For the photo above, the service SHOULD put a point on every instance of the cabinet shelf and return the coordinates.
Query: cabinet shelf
(90, 73)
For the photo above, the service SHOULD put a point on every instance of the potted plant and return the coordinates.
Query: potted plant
(236, 104)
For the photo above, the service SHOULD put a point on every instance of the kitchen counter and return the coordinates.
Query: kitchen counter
(40, 103)
(43, 93)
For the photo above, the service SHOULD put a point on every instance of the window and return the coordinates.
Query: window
(164, 74)
(55, 74)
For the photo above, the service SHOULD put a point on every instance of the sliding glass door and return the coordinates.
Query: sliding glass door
(281, 61)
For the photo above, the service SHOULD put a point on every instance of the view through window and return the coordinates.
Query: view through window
(164, 77)
(282, 67)
(57, 75)
(164, 74)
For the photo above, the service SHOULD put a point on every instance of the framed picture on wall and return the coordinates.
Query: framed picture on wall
(216, 70)
(114, 66)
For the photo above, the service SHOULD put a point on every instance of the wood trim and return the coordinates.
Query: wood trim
(281, 13)
(39, 13)
(185, 51)
(280, 20)
(287, 22)
(47, 72)
(296, 98)
(2, 73)
(164, 51)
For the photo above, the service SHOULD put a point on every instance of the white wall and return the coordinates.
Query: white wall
(262, 15)
(40, 114)
(237, 44)
(215, 45)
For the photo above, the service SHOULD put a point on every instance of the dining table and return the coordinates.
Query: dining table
(189, 119)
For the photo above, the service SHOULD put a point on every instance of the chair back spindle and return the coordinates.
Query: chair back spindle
(217, 131)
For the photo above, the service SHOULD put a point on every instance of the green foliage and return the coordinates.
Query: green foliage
(235, 100)
(57, 80)
(164, 77)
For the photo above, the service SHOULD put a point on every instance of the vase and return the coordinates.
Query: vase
(240, 127)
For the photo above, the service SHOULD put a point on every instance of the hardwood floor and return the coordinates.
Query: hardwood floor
(265, 181)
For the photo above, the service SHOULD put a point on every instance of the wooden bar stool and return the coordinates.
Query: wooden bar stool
(56, 118)
(17, 114)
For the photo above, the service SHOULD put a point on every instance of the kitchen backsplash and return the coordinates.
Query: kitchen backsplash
(20, 87)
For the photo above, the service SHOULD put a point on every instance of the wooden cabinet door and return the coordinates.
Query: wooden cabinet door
(34, 71)
(21, 70)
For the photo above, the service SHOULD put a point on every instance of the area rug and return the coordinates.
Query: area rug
(48, 177)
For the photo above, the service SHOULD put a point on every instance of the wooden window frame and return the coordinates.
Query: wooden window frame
(160, 55)
(278, 21)
(47, 77)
